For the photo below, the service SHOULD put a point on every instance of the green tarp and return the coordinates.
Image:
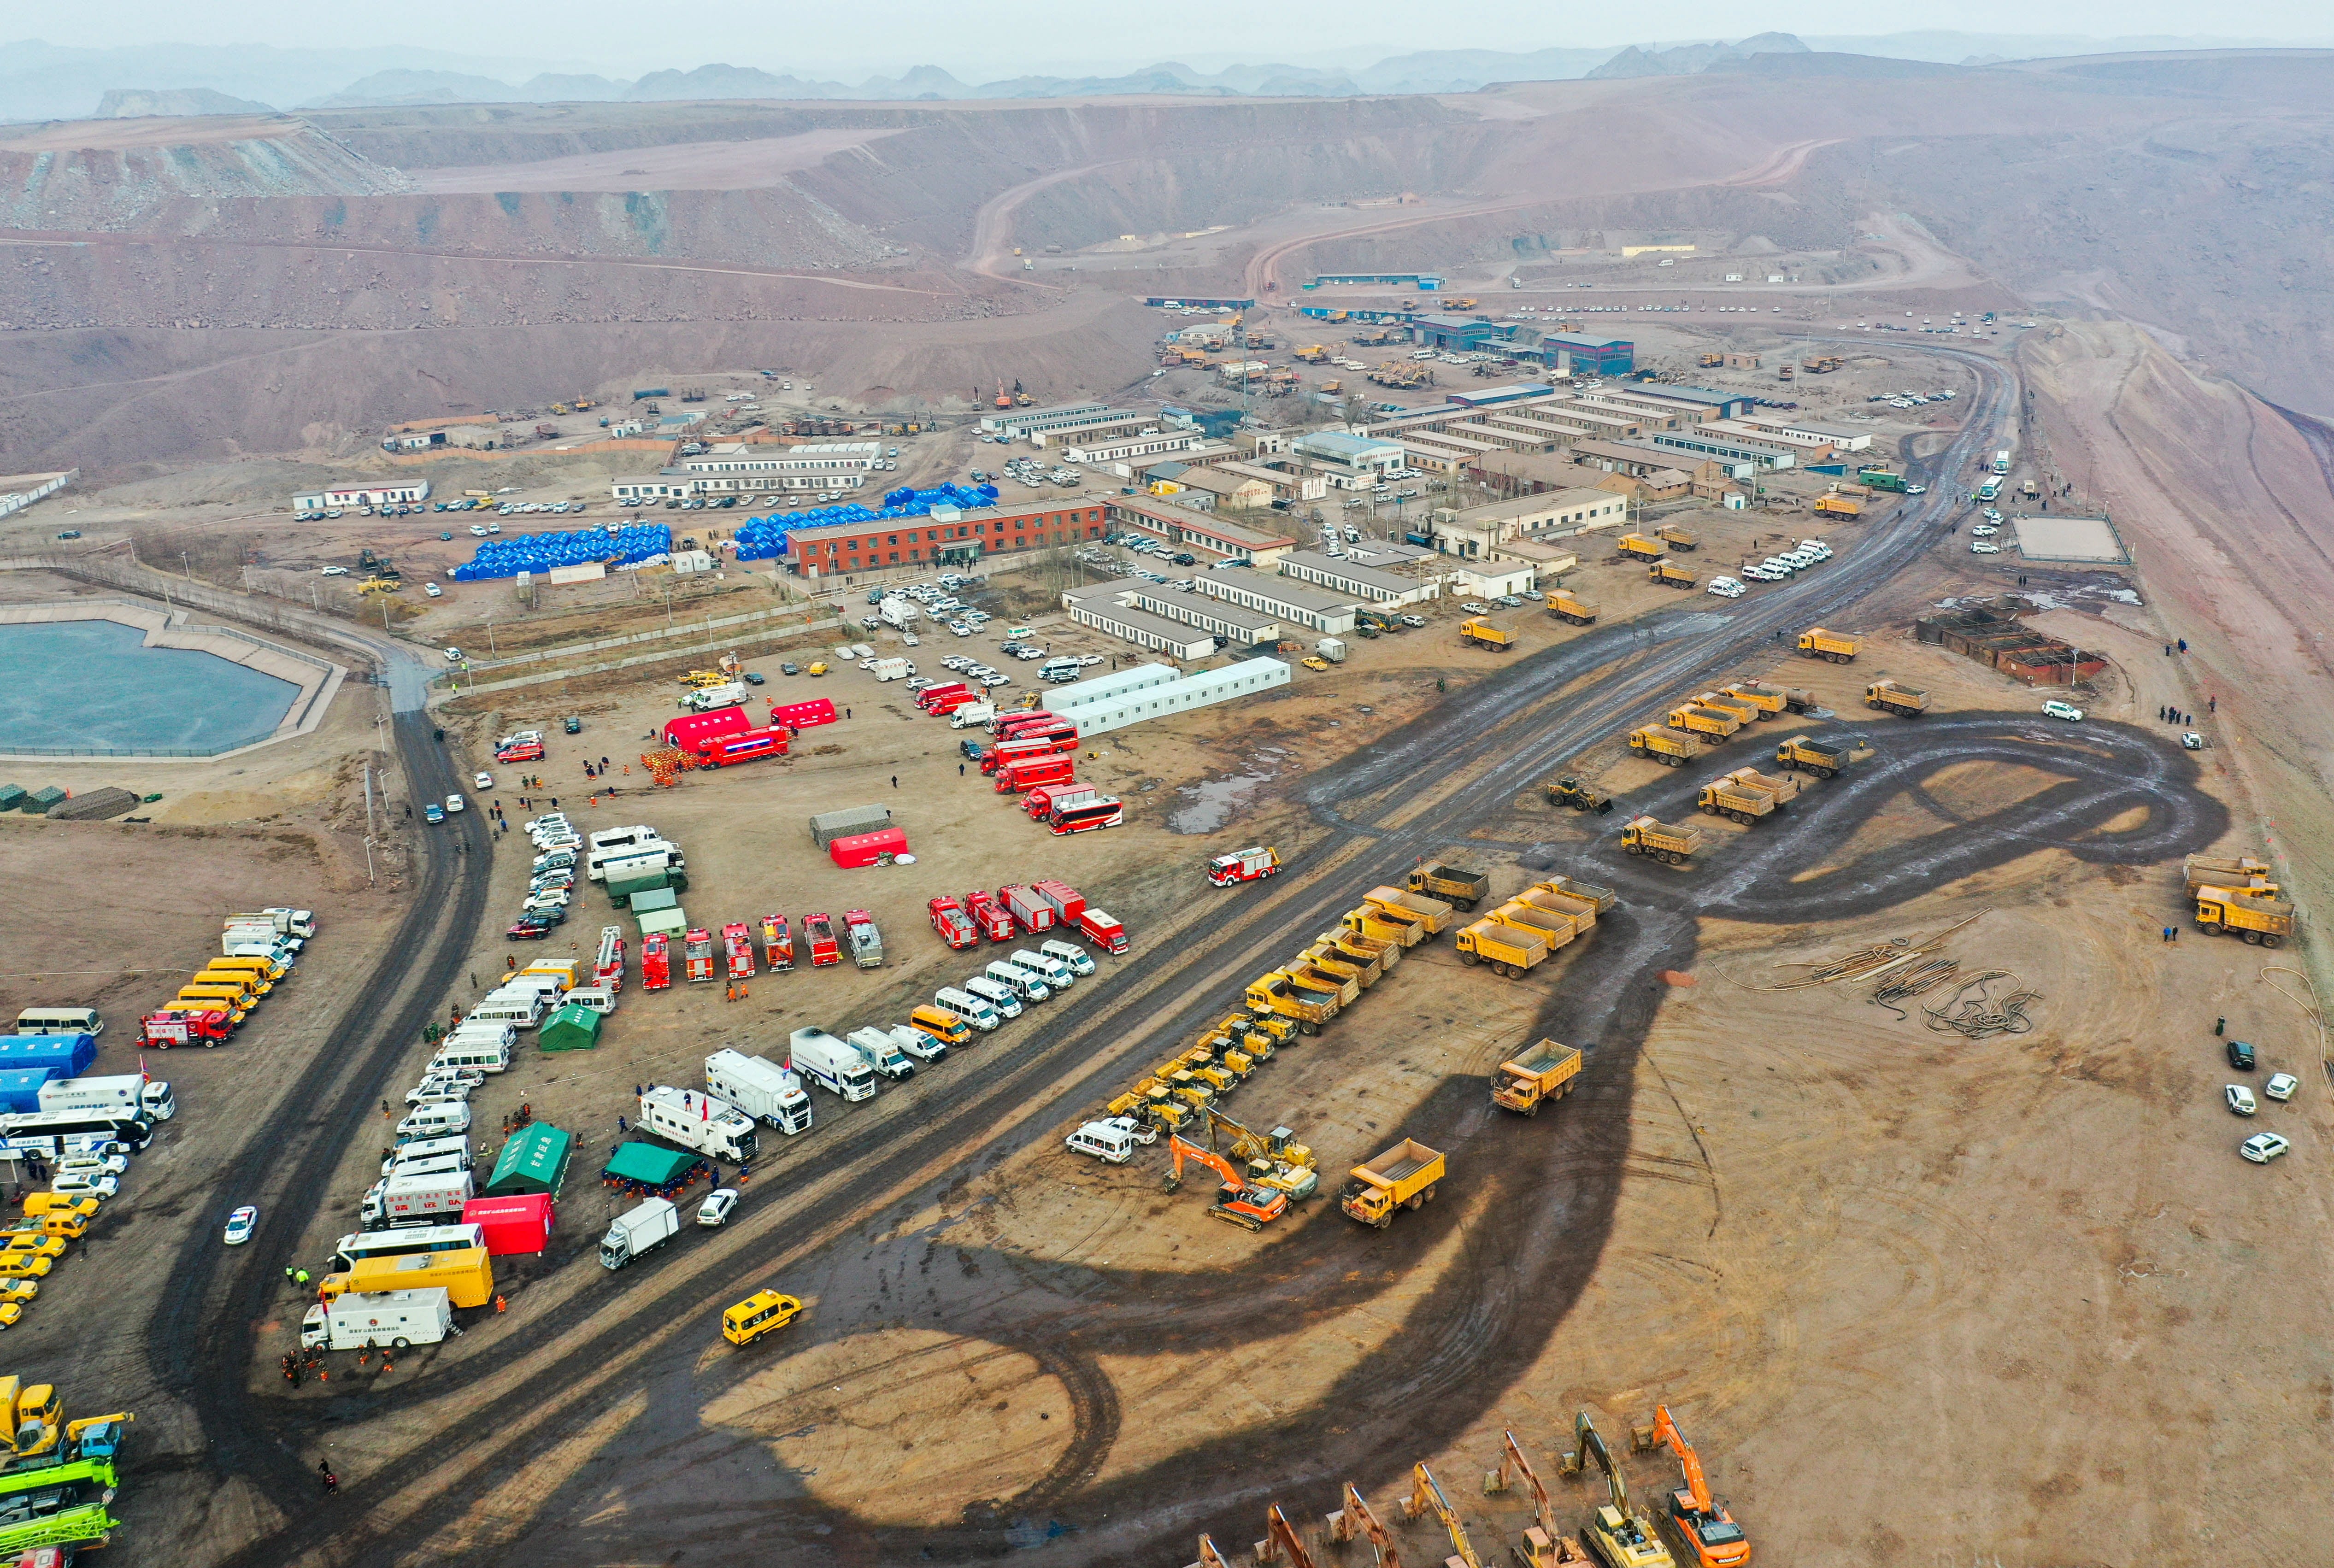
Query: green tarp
(533, 1161)
(571, 1028)
(647, 1164)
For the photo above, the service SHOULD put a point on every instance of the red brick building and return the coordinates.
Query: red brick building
(948, 538)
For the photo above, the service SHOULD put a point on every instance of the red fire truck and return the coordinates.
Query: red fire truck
(697, 955)
(656, 962)
(955, 926)
(608, 968)
(1249, 865)
(175, 1027)
(777, 943)
(819, 929)
(739, 946)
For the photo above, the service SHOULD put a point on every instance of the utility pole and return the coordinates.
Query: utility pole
(187, 564)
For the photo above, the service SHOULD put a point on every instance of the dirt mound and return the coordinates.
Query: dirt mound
(113, 175)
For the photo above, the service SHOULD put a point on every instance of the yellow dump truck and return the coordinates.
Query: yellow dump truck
(1723, 797)
(2222, 871)
(1640, 547)
(1399, 901)
(1581, 908)
(1819, 756)
(1374, 957)
(1452, 884)
(1478, 632)
(1785, 790)
(1895, 697)
(1668, 573)
(1604, 899)
(1567, 605)
(1678, 538)
(1404, 1176)
(1839, 505)
(1838, 647)
(1509, 950)
(1709, 724)
(2262, 921)
(1645, 836)
(1670, 747)
(1345, 987)
(1371, 922)
(1279, 993)
(1743, 708)
(1556, 925)
(1534, 1076)
(1769, 700)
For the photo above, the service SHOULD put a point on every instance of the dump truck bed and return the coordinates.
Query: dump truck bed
(1544, 1058)
(1432, 912)
(1404, 1162)
(1602, 898)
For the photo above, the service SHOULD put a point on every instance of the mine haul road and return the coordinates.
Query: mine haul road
(647, 1328)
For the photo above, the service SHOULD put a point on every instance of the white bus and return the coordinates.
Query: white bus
(60, 1021)
(21, 1130)
(398, 1243)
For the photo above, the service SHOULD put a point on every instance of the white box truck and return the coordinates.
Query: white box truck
(971, 714)
(893, 668)
(899, 613)
(403, 1198)
(828, 1063)
(639, 1230)
(706, 699)
(393, 1319)
(128, 1092)
(760, 1088)
(880, 1052)
(698, 1120)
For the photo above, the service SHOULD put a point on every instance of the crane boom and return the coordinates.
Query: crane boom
(1425, 1494)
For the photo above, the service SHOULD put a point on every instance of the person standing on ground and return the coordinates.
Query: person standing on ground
(332, 1482)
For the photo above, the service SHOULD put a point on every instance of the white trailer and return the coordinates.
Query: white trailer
(828, 1063)
(698, 1120)
(880, 1052)
(130, 1093)
(760, 1088)
(639, 1230)
(396, 1319)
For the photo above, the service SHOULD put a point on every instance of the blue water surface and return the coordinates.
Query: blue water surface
(93, 686)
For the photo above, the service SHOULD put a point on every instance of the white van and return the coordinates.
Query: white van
(974, 1010)
(546, 987)
(598, 998)
(520, 1011)
(1108, 1142)
(434, 1122)
(438, 1091)
(919, 1045)
(1069, 954)
(1004, 998)
(469, 1033)
(435, 1165)
(427, 1148)
(1052, 970)
(1019, 981)
(471, 1056)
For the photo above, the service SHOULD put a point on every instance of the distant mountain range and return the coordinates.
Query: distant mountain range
(44, 82)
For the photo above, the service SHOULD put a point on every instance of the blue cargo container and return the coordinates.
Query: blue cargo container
(70, 1053)
(20, 1089)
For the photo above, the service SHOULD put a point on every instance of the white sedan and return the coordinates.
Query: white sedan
(484, 781)
(1982, 548)
(455, 802)
(240, 1225)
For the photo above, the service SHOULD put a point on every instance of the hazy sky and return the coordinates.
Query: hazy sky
(627, 37)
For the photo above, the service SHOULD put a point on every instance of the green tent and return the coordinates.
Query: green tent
(647, 1164)
(533, 1161)
(571, 1028)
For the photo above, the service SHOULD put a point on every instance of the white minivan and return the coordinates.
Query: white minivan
(1068, 953)
(1052, 970)
(523, 1010)
(1108, 1142)
(434, 1122)
(1028, 986)
(974, 1010)
(1002, 998)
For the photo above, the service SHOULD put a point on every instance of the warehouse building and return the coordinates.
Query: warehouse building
(1578, 354)
(1130, 447)
(1283, 598)
(1180, 526)
(1099, 608)
(1765, 452)
(1080, 694)
(1837, 440)
(949, 536)
(401, 495)
(1457, 334)
(1229, 622)
(1210, 488)
(1201, 688)
(1020, 422)
(1714, 405)
(1350, 577)
(1347, 462)
(1110, 424)
(1483, 533)
(733, 467)
(1628, 457)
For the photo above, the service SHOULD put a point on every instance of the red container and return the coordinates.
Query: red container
(515, 1226)
(854, 851)
(693, 732)
(1016, 777)
(743, 746)
(803, 714)
(1067, 901)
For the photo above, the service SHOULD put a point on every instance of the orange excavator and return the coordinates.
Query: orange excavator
(1282, 1547)
(1251, 1208)
(1004, 397)
(1426, 1497)
(1704, 1533)
(1355, 1519)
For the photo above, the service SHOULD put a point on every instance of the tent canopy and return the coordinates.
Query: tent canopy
(572, 1028)
(648, 1165)
(533, 1161)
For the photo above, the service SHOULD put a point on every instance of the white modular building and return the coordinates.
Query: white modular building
(1202, 688)
(1081, 694)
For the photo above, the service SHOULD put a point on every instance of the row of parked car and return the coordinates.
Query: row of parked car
(551, 879)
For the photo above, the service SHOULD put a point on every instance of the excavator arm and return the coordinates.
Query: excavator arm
(1426, 1496)
(1180, 1149)
(1588, 1441)
(1513, 1465)
(1355, 1519)
(1281, 1545)
(1666, 1431)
